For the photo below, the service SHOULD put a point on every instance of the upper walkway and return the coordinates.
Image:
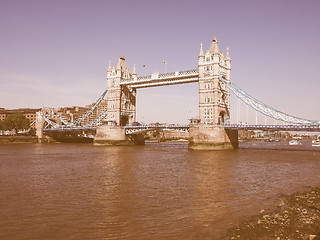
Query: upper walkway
(157, 79)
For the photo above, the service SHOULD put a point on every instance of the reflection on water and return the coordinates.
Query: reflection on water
(156, 191)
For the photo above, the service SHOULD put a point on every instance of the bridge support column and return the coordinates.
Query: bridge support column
(39, 127)
(116, 135)
(212, 137)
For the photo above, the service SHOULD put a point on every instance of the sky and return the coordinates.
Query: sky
(56, 53)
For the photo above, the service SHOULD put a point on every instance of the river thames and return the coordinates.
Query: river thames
(156, 191)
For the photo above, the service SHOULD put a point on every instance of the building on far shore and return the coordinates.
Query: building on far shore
(70, 114)
(29, 113)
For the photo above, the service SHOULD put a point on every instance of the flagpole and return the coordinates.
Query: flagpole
(145, 71)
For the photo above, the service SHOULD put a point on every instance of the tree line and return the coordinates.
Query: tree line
(16, 121)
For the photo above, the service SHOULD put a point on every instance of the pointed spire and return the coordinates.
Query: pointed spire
(222, 57)
(201, 51)
(134, 72)
(118, 67)
(122, 63)
(214, 46)
(228, 56)
(109, 68)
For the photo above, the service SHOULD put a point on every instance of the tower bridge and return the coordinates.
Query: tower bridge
(213, 130)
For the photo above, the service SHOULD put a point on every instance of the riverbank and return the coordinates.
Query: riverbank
(18, 139)
(295, 217)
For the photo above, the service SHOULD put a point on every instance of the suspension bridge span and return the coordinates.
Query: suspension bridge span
(212, 130)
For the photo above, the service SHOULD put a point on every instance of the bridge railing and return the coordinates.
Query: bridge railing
(146, 128)
(162, 76)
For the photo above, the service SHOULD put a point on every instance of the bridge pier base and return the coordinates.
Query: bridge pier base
(116, 136)
(212, 137)
(39, 128)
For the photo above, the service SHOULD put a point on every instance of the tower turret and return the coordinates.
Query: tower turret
(228, 59)
(109, 68)
(134, 71)
(201, 55)
(214, 49)
(228, 66)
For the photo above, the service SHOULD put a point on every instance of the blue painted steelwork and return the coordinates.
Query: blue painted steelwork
(68, 129)
(84, 116)
(33, 123)
(263, 108)
(185, 128)
(183, 77)
(147, 128)
(97, 120)
(65, 122)
(51, 123)
(304, 127)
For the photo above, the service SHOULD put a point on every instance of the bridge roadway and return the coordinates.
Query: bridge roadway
(185, 128)
(305, 128)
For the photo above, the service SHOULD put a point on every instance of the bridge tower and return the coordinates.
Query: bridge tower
(214, 102)
(121, 108)
(39, 126)
(214, 96)
(121, 100)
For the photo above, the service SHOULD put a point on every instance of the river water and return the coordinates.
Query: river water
(156, 191)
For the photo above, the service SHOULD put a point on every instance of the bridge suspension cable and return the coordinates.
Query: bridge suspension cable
(263, 108)
(97, 120)
(51, 123)
(84, 116)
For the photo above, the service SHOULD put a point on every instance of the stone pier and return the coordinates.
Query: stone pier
(39, 127)
(116, 135)
(212, 137)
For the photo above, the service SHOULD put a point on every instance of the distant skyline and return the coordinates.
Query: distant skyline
(56, 53)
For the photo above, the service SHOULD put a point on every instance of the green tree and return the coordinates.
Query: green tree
(16, 121)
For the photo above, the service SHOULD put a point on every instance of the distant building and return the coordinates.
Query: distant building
(29, 113)
(166, 134)
(245, 134)
(70, 114)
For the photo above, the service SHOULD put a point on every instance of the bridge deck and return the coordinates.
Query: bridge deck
(185, 128)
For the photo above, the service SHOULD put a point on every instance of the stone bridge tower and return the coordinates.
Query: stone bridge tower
(214, 96)
(121, 100)
(121, 108)
(214, 102)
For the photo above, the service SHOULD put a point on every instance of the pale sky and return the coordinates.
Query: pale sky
(56, 53)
